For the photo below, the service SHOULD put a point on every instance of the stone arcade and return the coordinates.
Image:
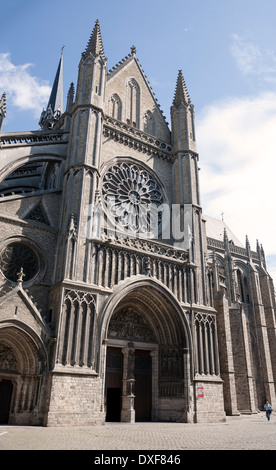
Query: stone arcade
(119, 299)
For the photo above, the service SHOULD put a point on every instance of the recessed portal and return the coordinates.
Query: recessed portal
(148, 331)
(141, 388)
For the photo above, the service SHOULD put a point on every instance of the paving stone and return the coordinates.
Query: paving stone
(237, 433)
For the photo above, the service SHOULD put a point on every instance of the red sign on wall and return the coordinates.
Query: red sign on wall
(200, 391)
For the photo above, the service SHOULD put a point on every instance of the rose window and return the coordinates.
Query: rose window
(132, 197)
(18, 257)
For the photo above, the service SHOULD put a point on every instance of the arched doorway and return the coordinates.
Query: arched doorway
(147, 355)
(120, 377)
(22, 370)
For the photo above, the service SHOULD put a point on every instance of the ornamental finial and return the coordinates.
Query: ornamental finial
(20, 276)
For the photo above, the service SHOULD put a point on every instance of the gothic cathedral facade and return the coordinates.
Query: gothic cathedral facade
(119, 299)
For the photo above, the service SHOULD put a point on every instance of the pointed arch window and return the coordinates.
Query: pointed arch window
(206, 349)
(77, 326)
(192, 124)
(243, 290)
(133, 103)
(115, 107)
(149, 123)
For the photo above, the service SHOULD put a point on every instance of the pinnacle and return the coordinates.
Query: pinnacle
(2, 109)
(3, 103)
(181, 93)
(95, 44)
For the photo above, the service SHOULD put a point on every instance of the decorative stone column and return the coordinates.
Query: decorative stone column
(226, 352)
(188, 391)
(245, 333)
(128, 411)
(154, 385)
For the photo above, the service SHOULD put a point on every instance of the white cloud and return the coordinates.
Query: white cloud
(237, 151)
(251, 59)
(23, 90)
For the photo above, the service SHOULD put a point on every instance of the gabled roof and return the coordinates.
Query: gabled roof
(115, 69)
(215, 229)
(123, 63)
(18, 294)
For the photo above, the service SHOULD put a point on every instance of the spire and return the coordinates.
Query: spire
(226, 243)
(95, 44)
(225, 237)
(56, 97)
(183, 118)
(2, 109)
(261, 254)
(247, 246)
(55, 104)
(181, 94)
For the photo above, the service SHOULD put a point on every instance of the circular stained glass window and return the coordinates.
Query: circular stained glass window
(16, 257)
(132, 196)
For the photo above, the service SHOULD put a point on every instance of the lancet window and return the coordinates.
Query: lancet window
(242, 287)
(78, 316)
(206, 347)
(133, 103)
(115, 107)
(149, 123)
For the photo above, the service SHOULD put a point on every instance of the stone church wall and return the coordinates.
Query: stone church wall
(209, 401)
(75, 400)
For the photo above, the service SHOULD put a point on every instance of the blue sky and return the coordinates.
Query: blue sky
(227, 52)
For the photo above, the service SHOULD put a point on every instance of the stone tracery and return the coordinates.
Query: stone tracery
(129, 192)
(16, 256)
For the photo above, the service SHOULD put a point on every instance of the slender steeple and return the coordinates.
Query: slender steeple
(56, 97)
(2, 109)
(54, 108)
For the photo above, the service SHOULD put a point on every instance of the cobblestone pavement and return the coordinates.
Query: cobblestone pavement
(237, 433)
